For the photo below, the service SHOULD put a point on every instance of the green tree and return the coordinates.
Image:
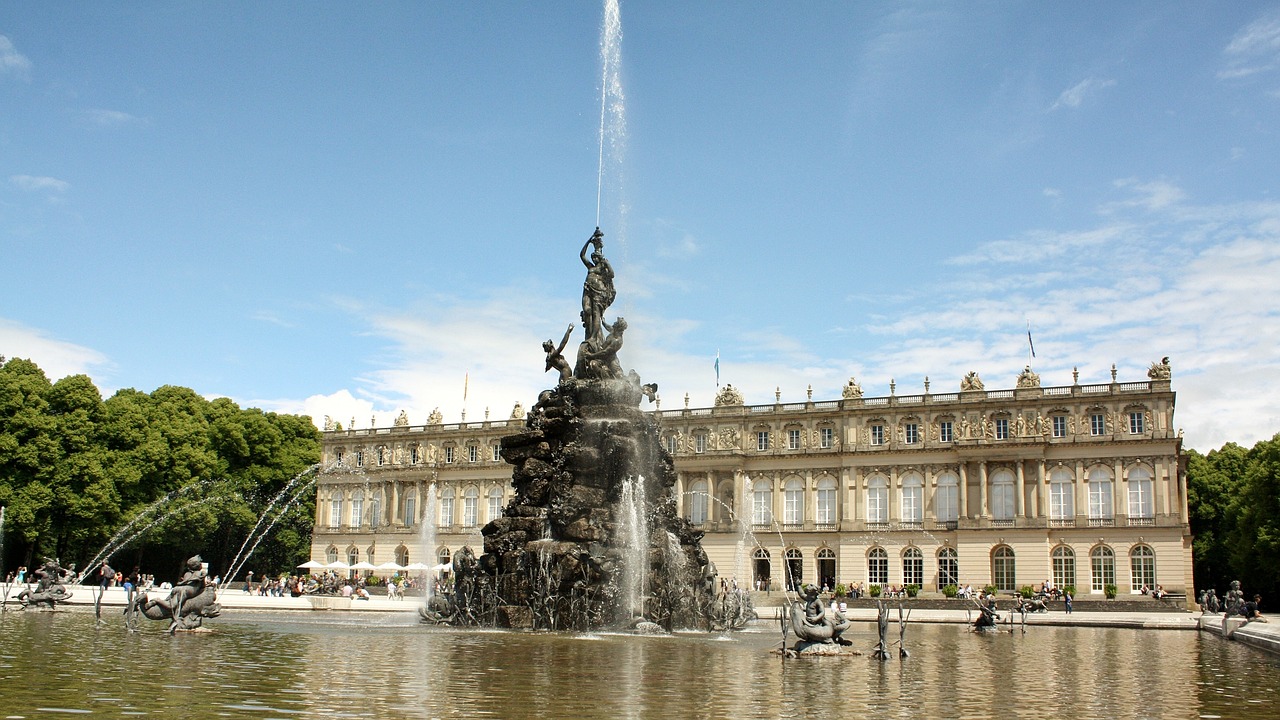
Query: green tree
(1255, 536)
(1213, 483)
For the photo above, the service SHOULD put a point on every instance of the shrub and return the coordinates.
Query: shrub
(1070, 589)
(841, 590)
(913, 590)
(1109, 591)
(988, 590)
(373, 581)
(874, 591)
(1026, 592)
(950, 591)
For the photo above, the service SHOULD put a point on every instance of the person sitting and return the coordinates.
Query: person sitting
(1159, 592)
(1249, 610)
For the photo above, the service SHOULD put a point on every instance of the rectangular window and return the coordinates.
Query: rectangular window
(877, 434)
(827, 436)
(1002, 428)
(495, 506)
(382, 456)
(1097, 424)
(446, 511)
(826, 505)
(497, 453)
(339, 455)
(413, 454)
(357, 510)
(375, 512)
(1059, 426)
(1136, 423)
(359, 458)
(944, 430)
(473, 453)
(469, 509)
(1061, 501)
(1100, 500)
(947, 499)
(762, 440)
(409, 512)
(912, 433)
(671, 444)
(448, 453)
(335, 513)
(700, 443)
(793, 439)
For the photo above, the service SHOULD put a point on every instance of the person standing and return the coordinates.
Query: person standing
(248, 583)
(1066, 596)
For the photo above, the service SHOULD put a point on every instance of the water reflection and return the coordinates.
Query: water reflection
(317, 665)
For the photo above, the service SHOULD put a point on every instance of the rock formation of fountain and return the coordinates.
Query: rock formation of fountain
(591, 538)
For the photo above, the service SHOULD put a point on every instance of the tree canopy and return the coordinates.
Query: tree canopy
(76, 469)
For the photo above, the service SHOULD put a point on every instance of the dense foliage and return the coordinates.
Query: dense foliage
(1234, 500)
(75, 469)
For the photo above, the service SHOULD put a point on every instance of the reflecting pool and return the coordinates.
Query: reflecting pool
(298, 665)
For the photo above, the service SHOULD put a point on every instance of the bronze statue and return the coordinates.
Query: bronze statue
(597, 290)
(555, 356)
(810, 623)
(600, 361)
(192, 599)
(49, 590)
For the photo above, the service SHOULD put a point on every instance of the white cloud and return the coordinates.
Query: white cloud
(1074, 96)
(39, 182)
(57, 358)
(1254, 49)
(110, 118)
(13, 62)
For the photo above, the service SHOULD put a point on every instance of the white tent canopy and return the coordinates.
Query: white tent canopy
(394, 567)
(311, 565)
(362, 565)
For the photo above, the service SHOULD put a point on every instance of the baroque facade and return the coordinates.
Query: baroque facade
(1080, 485)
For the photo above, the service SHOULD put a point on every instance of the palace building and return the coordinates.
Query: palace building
(1080, 485)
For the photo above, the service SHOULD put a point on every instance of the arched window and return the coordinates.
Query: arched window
(1100, 497)
(795, 569)
(1140, 502)
(357, 511)
(1002, 492)
(761, 503)
(495, 503)
(793, 503)
(878, 566)
(826, 561)
(470, 507)
(1103, 563)
(331, 555)
(878, 500)
(1142, 564)
(335, 509)
(948, 568)
(913, 567)
(402, 555)
(947, 498)
(912, 499)
(1064, 566)
(1003, 569)
(443, 555)
(761, 569)
(446, 508)
(827, 499)
(368, 555)
(1062, 494)
(353, 555)
(698, 502)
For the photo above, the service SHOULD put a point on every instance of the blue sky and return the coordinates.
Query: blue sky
(347, 210)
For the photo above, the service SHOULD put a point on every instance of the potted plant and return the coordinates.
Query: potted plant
(913, 590)
(988, 590)
(1026, 592)
(841, 590)
(1109, 591)
(874, 591)
(950, 591)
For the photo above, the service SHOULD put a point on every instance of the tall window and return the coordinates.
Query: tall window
(1061, 495)
(382, 455)
(698, 502)
(360, 458)
(826, 437)
(1002, 492)
(375, 510)
(446, 508)
(1142, 565)
(496, 451)
(413, 454)
(448, 453)
(761, 500)
(1003, 569)
(470, 506)
(877, 500)
(826, 558)
(671, 444)
(495, 504)
(1097, 424)
(353, 556)
(700, 443)
(762, 440)
(1103, 563)
(1100, 497)
(944, 431)
(913, 567)
(1059, 426)
(793, 502)
(331, 555)
(912, 499)
(473, 453)
(1064, 566)
(410, 509)
(878, 566)
(1002, 428)
(357, 512)
(1140, 494)
(1137, 423)
(335, 512)
(793, 439)
(877, 434)
(338, 456)
(911, 431)
(827, 501)
(948, 567)
(947, 498)
(795, 568)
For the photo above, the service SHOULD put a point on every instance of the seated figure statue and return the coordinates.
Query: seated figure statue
(191, 584)
(810, 622)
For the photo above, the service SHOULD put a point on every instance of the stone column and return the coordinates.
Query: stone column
(394, 508)
(680, 491)
(1082, 491)
(930, 509)
(741, 509)
(810, 500)
(964, 489)
(982, 489)
(1019, 507)
(1120, 498)
(1042, 497)
(1159, 486)
(848, 510)
(776, 498)
(894, 508)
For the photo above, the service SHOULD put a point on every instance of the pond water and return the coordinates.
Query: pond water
(301, 665)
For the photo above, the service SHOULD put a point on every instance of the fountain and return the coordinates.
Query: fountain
(192, 599)
(50, 586)
(591, 538)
